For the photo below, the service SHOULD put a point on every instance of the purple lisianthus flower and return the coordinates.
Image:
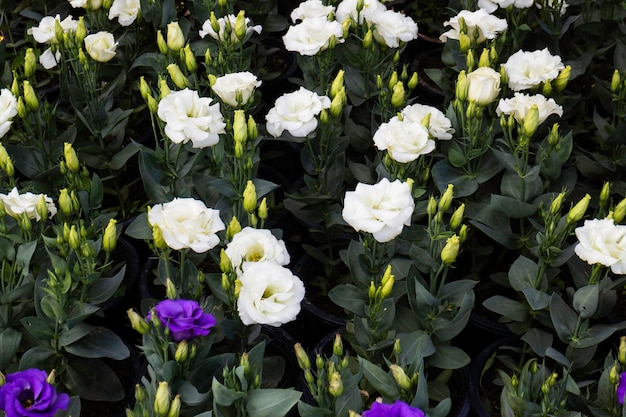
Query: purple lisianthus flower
(185, 319)
(621, 388)
(28, 394)
(397, 409)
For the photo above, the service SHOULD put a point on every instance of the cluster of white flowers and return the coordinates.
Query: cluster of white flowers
(486, 25)
(520, 103)
(45, 33)
(528, 69)
(601, 241)
(295, 112)
(17, 205)
(492, 5)
(221, 34)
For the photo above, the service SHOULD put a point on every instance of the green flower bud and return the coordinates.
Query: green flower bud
(470, 61)
(253, 132)
(262, 210)
(336, 105)
(337, 84)
(175, 37)
(240, 127)
(319, 362)
(368, 39)
(174, 410)
(42, 208)
(397, 348)
(393, 80)
(465, 43)
(59, 33)
(177, 76)
(563, 78)
(451, 250)
(616, 82)
(457, 217)
(360, 4)
(157, 238)
(182, 351)
(531, 121)
(621, 353)
(164, 89)
(461, 86)
(190, 59)
(161, 43)
(240, 25)
(553, 136)
(546, 88)
(483, 61)
(614, 375)
(30, 97)
(140, 393)
(335, 386)
(109, 240)
(387, 282)
(162, 399)
(153, 106)
(400, 377)
(170, 289)
(398, 95)
(81, 30)
(413, 81)
(74, 239)
(15, 87)
(605, 194)
(555, 206)
(71, 159)
(144, 88)
(303, 359)
(225, 262)
(338, 346)
(30, 63)
(233, 228)
(249, 198)
(52, 376)
(21, 107)
(324, 116)
(578, 211)
(137, 323)
(446, 198)
(620, 211)
(371, 292)
(8, 168)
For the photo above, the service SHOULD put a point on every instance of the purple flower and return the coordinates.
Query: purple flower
(621, 388)
(28, 394)
(184, 318)
(397, 409)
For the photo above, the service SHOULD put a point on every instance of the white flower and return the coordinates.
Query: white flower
(17, 204)
(312, 35)
(404, 141)
(529, 69)
(491, 5)
(382, 209)
(600, 241)
(93, 4)
(270, 294)
(311, 8)
(347, 10)
(551, 4)
(101, 46)
(126, 11)
(228, 86)
(439, 127)
(186, 223)
(520, 103)
(229, 20)
(256, 245)
(46, 31)
(49, 59)
(189, 117)
(295, 112)
(392, 27)
(488, 25)
(8, 110)
(483, 85)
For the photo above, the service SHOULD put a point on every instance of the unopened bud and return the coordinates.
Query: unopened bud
(153, 106)
(161, 43)
(413, 81)
(303, 359)
(616, 81)
(109, 240)
(446, 198)
(555, 206)
(240, 25)
(262, 210)
(81, 30)
(337, 84)
(30, 63)
(182, 351)
(614, 375)
(144, 88)
(451, 250)
(71, 159)
(137, 322)
(249, 198)
(170, 289)
(546, 88)
(457, 217)
(619, 211)
(531, 121)
(30, 97)
(174, 410)
(621, 353)
(393, 80)
(162, 399)
(233, 228)
(177, 76)
(470, 61)
(175, 37)
(338, 346)
(336, 105)
(253, 132)
(157, 237)
(483, 61)
(563, 78)
(368, 39)
(578, 211)
(464, 43)
(398, 95)
(190, 59)
(461, 86)
(74, 239)
(335, 386)
(387, 283)
(400, 377)
(164, 89)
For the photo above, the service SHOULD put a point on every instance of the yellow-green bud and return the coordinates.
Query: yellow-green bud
(446, 198)
(493, 54)
(451, 250)
(337, 345)
(144, 88)
(546, 88)
(457, 217)
(15, 87)
(190, 59)
(483, 61)
(225, 262)
(30, 63)
(553, 136)
(368, 39)
(52, 376)
(335, 386)
(563, 78)
(324, 118)
(464, 43)
(59, 33)
(397, 348)
(182, 351)
(140, 393)
(614, 375)
(233, 228)
(413, 81)
(30, 97)
(461, 86)
(240, 127)
(555, 206)
(174, 410)
(21, 107)
(4, 156)
(240, 25)
(42, 208)
(303, 359)
(619, 211)
(170, 289)
(249, 197)
(393, 80)
(81, 30)
(225, 282)
(164, 89)
(360, 4)
(337, 84)
(162, 399)
(431, 208)
(605, 194)
(387, 282)
(398, 95)
(400, 377)
(177, 76)
(253, 132)
(175, 37)
(616, 81)
(153, 106)
(207, 57)
(336, 105)
(71, 159)
(371, 292)
(215, 25)
(621, 353)
(8, 168)
(470, 61)
(109, 240)
(531, 121)
(161, 43)
(137, 322)
(157, 237)
(74, 239)
(578, 211)
(262, 211)
(514, 381)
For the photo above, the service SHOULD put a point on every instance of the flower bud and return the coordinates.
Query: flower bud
(175, 37)
(457, 217)
(157, 238)
(335, 386)
(578, 211)
(483, 61)
(42, 209)
(30, 63)
(398, 95)
(465, 43)
(15, 86)
(144, 88)
(164, 89)
(336, 105)
(400, 377)
(71, 159)
(240, 25)
(605, 194)
(621, 353)
(337, 84)
(109, 240)
(30, 97)
(153, 106)
(174, 410)
(615, 81)
(81, 30)
(74, 239)
(451, 250)
(446, 198)
(303, 359)
(546, 88)
(170, 289)
(620, 211)
(553, 136)
(555, 206)
(614, 375)
(461, 86)
(531, 121)
(182, 351)
(393, 80)
(162, 399)
(368, 39)
(233, 228)
(470, 61)
(21, 108)
(413, 81)
(190, 59)
(387, 282)
(137, 322)
(337, 346)
(262, 210)
(161, 43)
(563, 78)
(371, 292)
(249, 198)
(431, 208)
(177, 76)
(52, 376)
(240, 127)
(253, 132)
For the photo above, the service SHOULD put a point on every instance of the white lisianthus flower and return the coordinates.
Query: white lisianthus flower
(186, 223)
(391, 28)
(312, 35)
(529, 69)
(229, 20)
(296, 113)
(488, 25)
(17, 204)
(46, 31)
(49, 59)
(601, 241)
(311, 8)
(347, 10)
(270, 294)
(229, 86)
(483, 85)
(491, 5)
(101, 46)
(256, 245)
(189, 117)
(520, 103)
(404, 141)
(440, 127)
(91, 4)
(382, 209)
(8, 110)
(126, 11)
(550, 3)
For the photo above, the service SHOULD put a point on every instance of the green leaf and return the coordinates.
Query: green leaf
(52, 308)
(537, 300)
(24, 255)
(140, 228)
(523, 274)
(564, 319)
(448, 357)
(586, 299)
(38, 328)
(190, 395)
(538, 340)
(348, 296)
(307, 410)
(444, 174)
(593, 336)
(415, 346)
(104, 287)
(42, 357)
(100, 342)
(271, 402)
(154, 178)
(510, 309)
(74, 334)
(9, 342)
(93, 380)
(379, 379)
(225, 396)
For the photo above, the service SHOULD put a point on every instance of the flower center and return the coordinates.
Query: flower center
(26, 398)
